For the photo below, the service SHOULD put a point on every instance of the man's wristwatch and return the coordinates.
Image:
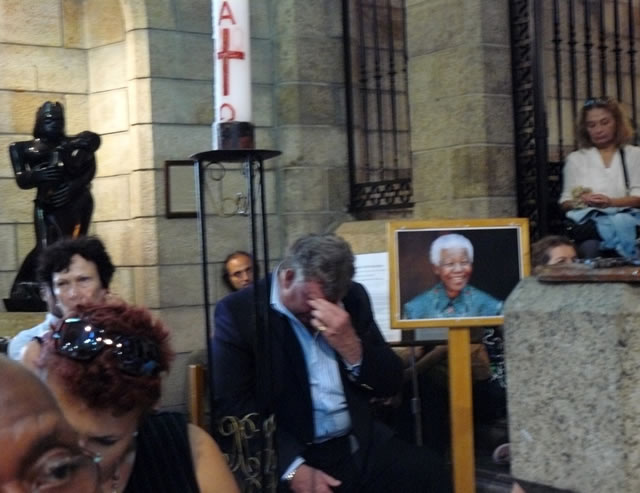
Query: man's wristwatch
(292, 474)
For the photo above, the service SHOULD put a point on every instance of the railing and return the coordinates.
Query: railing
(377, 104)
(563, 52)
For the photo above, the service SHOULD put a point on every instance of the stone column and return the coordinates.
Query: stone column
(461, 111)
(573, 370)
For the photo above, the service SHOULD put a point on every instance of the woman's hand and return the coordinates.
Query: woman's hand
(599, 200)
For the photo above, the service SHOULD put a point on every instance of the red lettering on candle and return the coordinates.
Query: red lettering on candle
(230, 110)
(225, 13)
(225, 55)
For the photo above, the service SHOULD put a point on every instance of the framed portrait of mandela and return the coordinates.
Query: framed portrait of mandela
(454, 273)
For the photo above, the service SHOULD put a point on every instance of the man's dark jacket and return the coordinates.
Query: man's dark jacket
(234, 371)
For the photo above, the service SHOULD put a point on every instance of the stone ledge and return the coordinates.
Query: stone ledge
(13, 322)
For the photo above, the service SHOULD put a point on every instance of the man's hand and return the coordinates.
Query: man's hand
(310, 480)
(335, 324)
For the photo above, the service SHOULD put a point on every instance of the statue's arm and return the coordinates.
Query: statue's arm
(26, 176)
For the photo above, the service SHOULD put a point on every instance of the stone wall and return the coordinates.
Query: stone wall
(461, 111)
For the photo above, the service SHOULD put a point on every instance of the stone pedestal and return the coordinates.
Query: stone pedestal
(573, 370)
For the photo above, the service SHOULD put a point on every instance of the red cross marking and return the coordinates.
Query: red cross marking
(225, 55)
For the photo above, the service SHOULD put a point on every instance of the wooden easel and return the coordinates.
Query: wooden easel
(461, 410)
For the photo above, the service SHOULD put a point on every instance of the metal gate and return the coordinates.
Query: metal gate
(564, 52)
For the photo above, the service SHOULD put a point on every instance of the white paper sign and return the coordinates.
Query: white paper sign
(372, 271)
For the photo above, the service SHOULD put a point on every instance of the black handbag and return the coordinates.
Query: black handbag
(587, 230)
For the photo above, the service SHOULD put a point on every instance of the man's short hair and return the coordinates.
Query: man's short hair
(325, 258)
(541, 249)
(452, 240)
(225, 270)
(57, 258)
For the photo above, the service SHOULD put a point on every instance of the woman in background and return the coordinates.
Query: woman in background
(105, 368)
(602, 180)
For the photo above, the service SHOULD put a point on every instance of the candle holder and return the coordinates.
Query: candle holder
(235, 135)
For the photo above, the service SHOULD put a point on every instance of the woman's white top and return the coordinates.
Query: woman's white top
(585, 168)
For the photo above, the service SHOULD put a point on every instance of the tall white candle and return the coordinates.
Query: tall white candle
(232, 60)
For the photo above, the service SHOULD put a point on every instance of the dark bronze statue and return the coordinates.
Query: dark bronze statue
(61, 167)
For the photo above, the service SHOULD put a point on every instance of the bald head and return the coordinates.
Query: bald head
(21, 389)
(31, 425)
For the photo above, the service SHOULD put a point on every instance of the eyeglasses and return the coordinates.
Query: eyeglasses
(63, 471)
(591, 102)
(80, 340)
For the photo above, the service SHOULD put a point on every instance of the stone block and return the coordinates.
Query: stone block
(138, 56)
(112, 197)
(365, 236)
(146, 193)
(31, 23)
(495, 23)
(178, 241)
(296, 225)
(114, 154)
(262, 101)
(73, 26)
(180, 285)
(26, 240)
(435, 25)
(320, 146)
(8, 243)
(6, 281)
(178, 142)
(266, 139)
(139, 100)
(194, 16)
(20, 110)
(574, 358)
(260, 20)
(142, 142)
(463, 172)
(147, 286)
(122, 285)
(107, 70)
(180, 101)
(131, 242)
(295, 19)
(76, 113)
(106, 21)
(108, 111)
(310, 59)
(187, 327)
(466, 208)
(168, 60)
(306, 104)
(261, 61)
(161, 14)
(338, 186)
(306, 189)
(17, 205)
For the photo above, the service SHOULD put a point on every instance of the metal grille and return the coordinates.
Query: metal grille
(377, 104)
(564, 51)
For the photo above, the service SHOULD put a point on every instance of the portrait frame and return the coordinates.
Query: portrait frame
(411, 272)
(179, 189)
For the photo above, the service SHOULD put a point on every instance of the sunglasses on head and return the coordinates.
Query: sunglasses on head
(82, 341)
(591, 102)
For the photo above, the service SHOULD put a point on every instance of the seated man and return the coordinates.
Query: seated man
(71, 272)
(38, 449)
(328, 361)
(238, 270)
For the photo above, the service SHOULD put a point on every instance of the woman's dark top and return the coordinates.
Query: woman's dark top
(163, 457)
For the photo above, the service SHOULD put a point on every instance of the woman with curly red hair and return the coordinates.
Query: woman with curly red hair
(105, 367)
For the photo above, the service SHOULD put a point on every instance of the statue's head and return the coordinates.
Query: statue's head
(49, 121)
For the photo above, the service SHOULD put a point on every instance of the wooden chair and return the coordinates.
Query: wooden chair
(197, 396)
